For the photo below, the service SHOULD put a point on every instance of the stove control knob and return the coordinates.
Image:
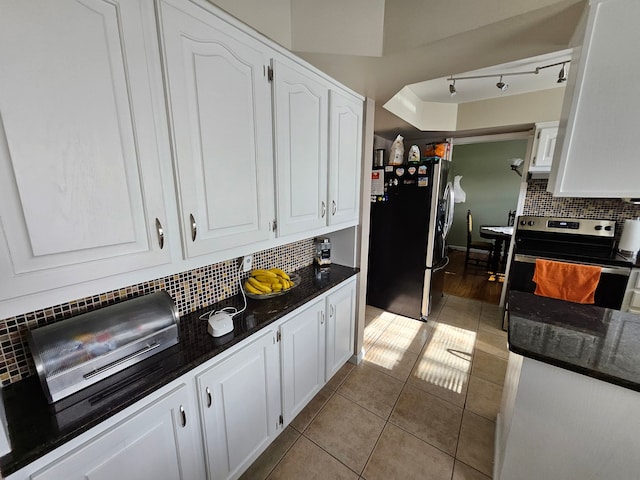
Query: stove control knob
(598, 227)
(608, 228)
(523, 222)
(531, 223)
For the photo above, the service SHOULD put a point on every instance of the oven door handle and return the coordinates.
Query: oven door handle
(624, 271)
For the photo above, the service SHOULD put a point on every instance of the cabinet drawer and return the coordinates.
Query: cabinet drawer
(635, 300)
(637, 282)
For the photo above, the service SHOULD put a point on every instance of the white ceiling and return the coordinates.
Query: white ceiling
(423, 42)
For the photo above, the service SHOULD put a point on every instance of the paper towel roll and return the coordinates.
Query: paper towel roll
(630, 239)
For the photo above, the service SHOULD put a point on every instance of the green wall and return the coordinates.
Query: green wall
(491, 187)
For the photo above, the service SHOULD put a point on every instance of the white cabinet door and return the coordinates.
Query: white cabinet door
(300, 132)
(597, 146)
(303, 356)
(81, 140)
(341, 311)
(345, 152)
(544, 147)
(220, 112)
(162, 441)
(240, 406)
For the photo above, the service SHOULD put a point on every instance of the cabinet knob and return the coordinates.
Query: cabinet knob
(194, 228)
(183, 416)
(160, 233)
(334, 207)
(324, 209)
(209, 399)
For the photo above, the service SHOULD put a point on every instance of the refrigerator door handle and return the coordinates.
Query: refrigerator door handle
(448, 198)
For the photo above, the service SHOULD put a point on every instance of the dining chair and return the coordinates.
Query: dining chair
(476, 245)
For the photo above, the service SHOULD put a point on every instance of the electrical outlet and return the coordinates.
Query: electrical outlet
(247, 263)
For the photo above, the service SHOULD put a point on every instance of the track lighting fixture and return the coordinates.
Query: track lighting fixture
(501, 85)
(562, 76)
(452, 88)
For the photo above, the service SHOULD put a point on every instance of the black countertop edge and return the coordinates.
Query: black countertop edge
(35, 429)
(611, 349)
(576, 368)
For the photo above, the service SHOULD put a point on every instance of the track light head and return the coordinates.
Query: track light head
(501, 85)
(562, 76)
(452, 88)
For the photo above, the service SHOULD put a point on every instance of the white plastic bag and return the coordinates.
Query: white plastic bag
(397, 151)
(458, 193)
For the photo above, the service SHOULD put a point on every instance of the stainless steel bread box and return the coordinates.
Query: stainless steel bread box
(75, 353)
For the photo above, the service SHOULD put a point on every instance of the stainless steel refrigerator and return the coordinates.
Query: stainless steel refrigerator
(410, 221)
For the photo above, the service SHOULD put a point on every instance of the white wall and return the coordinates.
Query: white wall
(541, 106)
(270, 17)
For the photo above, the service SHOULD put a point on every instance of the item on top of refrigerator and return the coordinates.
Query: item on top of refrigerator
(378, 158)
(414, 154)
(436, 150)
(397, 151)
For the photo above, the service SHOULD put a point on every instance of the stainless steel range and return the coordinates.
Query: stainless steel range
(570, 240)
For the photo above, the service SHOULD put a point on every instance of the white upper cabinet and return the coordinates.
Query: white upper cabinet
(300, 132)
(543, 147)
(220, 115)
(81, 138)
(597, 150)
(345, 154)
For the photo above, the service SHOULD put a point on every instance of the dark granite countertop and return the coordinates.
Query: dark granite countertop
(599, 342)
(35, 428)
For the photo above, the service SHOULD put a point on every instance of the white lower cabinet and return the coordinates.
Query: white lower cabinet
(340, 329)
(302, 354)
(245, 395)
(161, 441)
(240, 406)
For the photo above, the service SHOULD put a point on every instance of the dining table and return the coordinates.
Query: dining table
(501, 236)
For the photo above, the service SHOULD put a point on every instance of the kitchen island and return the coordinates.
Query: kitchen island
(571, 400)
(36, 429)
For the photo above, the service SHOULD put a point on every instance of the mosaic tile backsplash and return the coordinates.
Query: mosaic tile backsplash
(191, 290)
(541, 203)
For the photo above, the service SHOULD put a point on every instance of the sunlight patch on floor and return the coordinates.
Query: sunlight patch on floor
(446, 359)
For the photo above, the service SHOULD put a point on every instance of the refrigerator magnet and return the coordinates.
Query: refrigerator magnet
(422, 170)
(411, 170)
(423, 181)
(400, 171)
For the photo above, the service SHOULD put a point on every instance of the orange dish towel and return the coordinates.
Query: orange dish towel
(566, 281)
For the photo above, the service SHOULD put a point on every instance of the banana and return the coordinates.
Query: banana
(267, 280)
(280, 273)
(266, 273)
(249, 288)
(259, 285)
(277, 287)
(286, 283)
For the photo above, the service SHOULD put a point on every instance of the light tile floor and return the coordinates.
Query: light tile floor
(422, 405)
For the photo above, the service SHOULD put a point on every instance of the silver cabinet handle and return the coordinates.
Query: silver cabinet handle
(334, 207)
(331, 311)
(209, 399)
(194, 229)
(321, 318)
(324, 209)
(160, 233)
(183, 415)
